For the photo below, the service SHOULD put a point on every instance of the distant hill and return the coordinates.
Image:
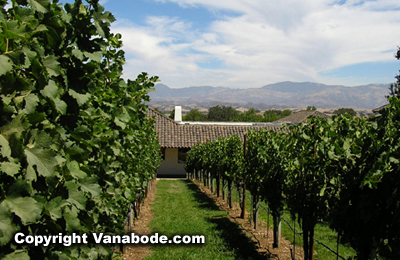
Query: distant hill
(283, 94)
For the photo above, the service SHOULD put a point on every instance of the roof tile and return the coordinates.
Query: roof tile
(174, 135)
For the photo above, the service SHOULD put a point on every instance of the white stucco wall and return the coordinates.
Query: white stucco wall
(170, 165)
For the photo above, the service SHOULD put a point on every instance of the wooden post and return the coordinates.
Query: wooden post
(212, 183)
(209, 180)
(243, 215)
(223, 188)
(137, 208)
(218, 184)
(277, 230)
(230, 183)
(256, 205)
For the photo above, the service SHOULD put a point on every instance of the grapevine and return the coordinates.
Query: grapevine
(76, 146)
(342, 171)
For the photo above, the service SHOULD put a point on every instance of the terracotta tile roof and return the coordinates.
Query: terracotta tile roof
(301, 116)
(174, 135)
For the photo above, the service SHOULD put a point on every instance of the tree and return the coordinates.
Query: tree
(249, 116)
(311, 108)
(172, 114)
(194, 115)
(273, 115)
(343, 111)
(286, 112)
(158, 110)
(221, 114)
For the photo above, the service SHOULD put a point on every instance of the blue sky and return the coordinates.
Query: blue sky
(248, 44)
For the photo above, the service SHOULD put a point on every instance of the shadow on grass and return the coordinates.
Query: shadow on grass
(235, 239)
(201, 198)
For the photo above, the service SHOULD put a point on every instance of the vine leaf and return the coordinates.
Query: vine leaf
(40, 5)
(77, 53)
(76, 197)
(17, 126)
(51, 91)
(27, 208)
(7, 228)
(5, 147)
(55, 206)
(52, 65)
(44, 159)
(5, 64)
(71, 218)
(80, 98)
(10, 168)
(91, 185)
(31, 102)
(17, 255)
(102, 21)
(75, 171)
(14, 30)
(94, 56)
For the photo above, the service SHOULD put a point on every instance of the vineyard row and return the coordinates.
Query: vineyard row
(342, 171)
(77, 149)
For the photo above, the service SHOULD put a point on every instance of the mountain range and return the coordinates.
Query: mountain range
(283, 94)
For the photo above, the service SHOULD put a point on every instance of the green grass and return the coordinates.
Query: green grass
(322, 233)
(181, 208)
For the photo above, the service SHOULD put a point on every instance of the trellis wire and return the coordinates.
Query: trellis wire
(293, 229)
(301, 233)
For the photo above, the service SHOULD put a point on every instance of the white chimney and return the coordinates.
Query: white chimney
(178, 114)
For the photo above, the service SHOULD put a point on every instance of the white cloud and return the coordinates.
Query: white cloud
(265, 42)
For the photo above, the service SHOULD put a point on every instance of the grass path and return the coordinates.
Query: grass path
(180, 208)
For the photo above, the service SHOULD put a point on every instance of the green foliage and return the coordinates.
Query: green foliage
(158, 110)
(194, 115)
(344, 111)
(76, 145)
(223, 156)
(252, 115)
(172, 114)
(395, 87)
(311, 108)
(221, 114)
(286, 112)
(263, 167)
(341, 171)
(273, 115)
(248, 116)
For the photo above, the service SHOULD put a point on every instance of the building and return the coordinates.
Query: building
(301, 116)
(177, 137)
(378, 109)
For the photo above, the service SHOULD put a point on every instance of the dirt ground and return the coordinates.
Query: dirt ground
(140, 251)
(262, 237)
